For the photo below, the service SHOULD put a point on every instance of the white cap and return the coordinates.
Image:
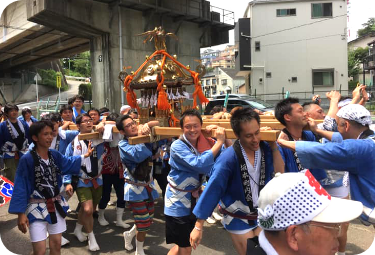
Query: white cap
(124, 108)
(296, 198)
(355, 112)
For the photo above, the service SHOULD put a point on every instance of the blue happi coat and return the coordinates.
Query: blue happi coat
(7, 146)
(24, 186)
(131, 156)
(82, 175)
(354, 156)
(75, 114)
(290, 162)
(185, 170)
(225, 185)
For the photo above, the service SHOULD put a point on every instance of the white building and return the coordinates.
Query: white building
(298, 45)
(216, 82)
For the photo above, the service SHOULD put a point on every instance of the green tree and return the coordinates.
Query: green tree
(82, 64)
(355, 58)
(368, 27)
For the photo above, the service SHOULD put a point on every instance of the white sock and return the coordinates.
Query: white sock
(340, 253)
(128, 238)
(139, 247)
(64, 241)
(78, 233)
(119, 221)
(93, 245)
(101, 219)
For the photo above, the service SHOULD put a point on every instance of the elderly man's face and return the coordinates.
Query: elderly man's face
(316, 112)
(342, 125)
(318, 239)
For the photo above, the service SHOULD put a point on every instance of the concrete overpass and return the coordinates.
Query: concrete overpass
(108, 28)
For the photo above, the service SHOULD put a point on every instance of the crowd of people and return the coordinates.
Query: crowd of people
(284, 197)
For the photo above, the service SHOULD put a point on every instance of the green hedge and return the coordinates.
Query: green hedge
(85, 89)
(49, 79)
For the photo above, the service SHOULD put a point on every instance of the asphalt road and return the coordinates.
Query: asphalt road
(73, 90)
(215, 240)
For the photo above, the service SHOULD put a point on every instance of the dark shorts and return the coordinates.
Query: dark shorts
(178, 229)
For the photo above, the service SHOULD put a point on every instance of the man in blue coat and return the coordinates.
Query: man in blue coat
(89, 187)
(290, 113)
(352, 149)
(36, 197)
(14, 140)
(237, 177)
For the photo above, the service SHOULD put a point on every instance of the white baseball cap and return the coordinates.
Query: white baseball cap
(296, 198)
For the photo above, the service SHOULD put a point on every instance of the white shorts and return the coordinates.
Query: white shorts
(38, 229)
(243, 231)
(339, 192)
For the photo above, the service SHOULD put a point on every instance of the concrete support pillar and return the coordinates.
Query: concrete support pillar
(101, 68)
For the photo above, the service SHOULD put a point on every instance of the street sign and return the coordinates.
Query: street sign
(58, 81)
(37, 77)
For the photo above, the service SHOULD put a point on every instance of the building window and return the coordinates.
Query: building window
(321, 10)
(286, 12)
(294, 79)
(208, 82)
(213, 90)
(257, 46)
(224, 82)
(268, 75)
(323, 77)
(202, 82)
(213, 81)
(228, 66)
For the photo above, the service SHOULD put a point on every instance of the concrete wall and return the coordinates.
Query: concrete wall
(16, 16)
(100, 23)
(13, 89)
(296, 52)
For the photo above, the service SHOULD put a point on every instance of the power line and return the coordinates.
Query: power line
(303, 25)
(307, 39)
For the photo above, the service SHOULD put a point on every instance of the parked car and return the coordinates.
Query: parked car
(239, 100)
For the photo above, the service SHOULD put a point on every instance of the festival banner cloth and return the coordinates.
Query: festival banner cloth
(6, 190)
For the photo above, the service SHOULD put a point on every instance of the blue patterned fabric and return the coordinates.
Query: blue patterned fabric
(7, 146)
(225, 185)
(24, 186)
(131, 155)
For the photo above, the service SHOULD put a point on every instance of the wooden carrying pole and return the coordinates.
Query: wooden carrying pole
(209, 117)
(165, 132)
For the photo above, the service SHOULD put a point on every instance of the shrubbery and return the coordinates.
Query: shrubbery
(49, 78)
(85, 89)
